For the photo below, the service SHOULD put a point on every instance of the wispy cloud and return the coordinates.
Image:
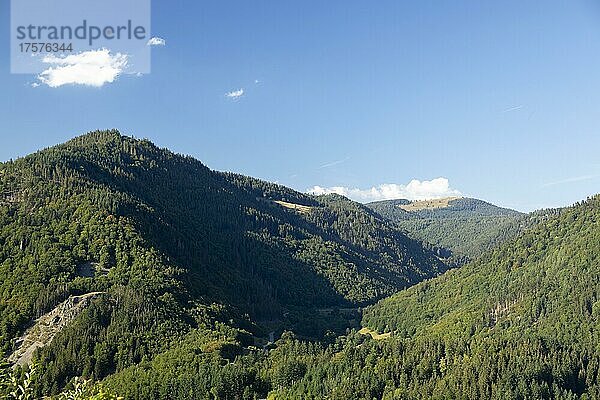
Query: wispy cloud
(235, 94)
(571, 180)
(89, 68)
(156, 41)
(414, 190)
(515, 108)
(333, 163)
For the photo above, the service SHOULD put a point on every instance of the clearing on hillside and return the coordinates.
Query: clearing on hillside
(428, 204)
(297, 207)
(374, 334)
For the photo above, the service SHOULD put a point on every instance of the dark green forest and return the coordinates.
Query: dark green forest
(179, 249)
(192, 270)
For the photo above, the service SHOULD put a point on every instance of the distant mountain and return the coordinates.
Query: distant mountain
(467, 227)
(171, 248)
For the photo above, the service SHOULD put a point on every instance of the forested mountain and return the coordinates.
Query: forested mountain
(522, 322)
(168, 275)
(467, 227)
(177, 253)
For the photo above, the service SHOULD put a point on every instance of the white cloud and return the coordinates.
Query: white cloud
(235, 94)
(514, 108)
(156, 41)
(90, 68)
(334, 163)
(414, 190)
(571, 180)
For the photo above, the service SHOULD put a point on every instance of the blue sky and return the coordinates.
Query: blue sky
(502, 99)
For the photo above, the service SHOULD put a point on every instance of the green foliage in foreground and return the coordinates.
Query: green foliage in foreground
(18, 385)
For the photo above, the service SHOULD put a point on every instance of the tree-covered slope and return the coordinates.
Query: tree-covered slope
(548, 271)
(175, 247)
(521, 322)
(467, 227)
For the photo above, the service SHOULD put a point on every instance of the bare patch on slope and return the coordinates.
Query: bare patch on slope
(428, 204)
(48, 325)
(291, 206)
(375, 335)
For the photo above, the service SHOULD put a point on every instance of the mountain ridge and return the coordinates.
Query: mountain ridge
(182, 249)
(218, 285)
(466, 226)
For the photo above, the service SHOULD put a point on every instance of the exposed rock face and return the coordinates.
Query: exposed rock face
(90, 270)
(48, 325)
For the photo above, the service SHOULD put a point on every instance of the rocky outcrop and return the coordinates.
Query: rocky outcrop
(48, 325)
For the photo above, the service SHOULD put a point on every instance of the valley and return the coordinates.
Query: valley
(220, 286)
